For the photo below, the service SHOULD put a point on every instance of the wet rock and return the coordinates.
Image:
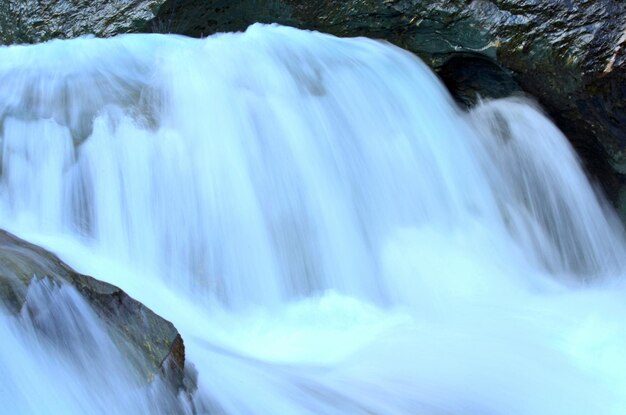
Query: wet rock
(31, 21)
(153, 344)
(470, 77)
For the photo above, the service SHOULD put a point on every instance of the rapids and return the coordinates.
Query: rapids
(327, 230)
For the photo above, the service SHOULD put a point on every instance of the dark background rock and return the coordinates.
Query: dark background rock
(469, 77)
(152, 343)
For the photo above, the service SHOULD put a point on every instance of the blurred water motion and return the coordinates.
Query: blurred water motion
(329, 233)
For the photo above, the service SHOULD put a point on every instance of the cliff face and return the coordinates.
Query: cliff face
(569, 55)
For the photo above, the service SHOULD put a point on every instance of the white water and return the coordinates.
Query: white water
(328, 232)
(50, 362)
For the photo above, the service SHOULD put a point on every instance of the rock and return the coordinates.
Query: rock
(151, 343)
(32, 21)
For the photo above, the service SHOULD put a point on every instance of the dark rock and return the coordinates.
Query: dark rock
(198, 19)
(151, 343)
(469, 77)
(31, 21)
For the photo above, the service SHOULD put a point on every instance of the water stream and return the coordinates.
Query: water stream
(327, 230)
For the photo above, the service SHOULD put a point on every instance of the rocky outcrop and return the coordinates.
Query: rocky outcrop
(151, 343)
(31, 21)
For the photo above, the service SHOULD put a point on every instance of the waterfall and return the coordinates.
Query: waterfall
(49, 361)
(326, 229)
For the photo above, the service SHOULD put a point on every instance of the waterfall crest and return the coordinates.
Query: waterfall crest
(328, 231)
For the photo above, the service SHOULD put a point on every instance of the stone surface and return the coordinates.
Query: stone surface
(31, 21)
(152, 343)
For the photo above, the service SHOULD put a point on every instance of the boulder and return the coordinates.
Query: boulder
(150, 342)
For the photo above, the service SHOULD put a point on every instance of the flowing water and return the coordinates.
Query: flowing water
(327, 230)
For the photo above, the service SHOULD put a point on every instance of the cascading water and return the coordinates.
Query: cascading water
(328, 232)
(42, 375)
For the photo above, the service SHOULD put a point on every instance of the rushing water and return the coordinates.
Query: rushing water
(326, 229)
